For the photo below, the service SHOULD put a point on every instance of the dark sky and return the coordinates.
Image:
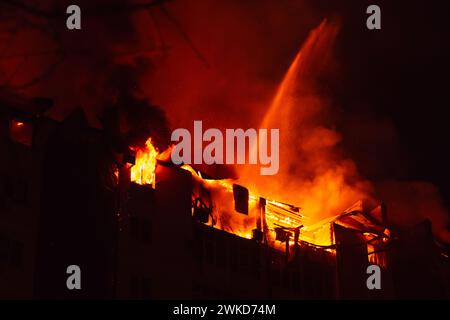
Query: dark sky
(396, 79)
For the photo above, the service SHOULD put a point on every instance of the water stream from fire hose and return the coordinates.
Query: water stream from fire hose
(311, 174)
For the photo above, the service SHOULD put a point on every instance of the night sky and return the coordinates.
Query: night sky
(404, 68)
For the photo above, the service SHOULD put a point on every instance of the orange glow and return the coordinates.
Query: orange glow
(277, 214)
(313, 173)
(320, 184)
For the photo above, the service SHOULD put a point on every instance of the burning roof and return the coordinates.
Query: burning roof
(225, 205)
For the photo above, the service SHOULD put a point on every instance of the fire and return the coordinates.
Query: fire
(313, 173)
(143, 171)
(277, 215)
(319, 184)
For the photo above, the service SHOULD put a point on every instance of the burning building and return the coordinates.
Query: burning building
(140, 227)
(92, 184)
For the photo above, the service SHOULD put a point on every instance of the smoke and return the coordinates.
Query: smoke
(95, 68)
(221, 62)
(243, 48)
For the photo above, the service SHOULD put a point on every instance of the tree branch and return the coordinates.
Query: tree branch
(106, 10)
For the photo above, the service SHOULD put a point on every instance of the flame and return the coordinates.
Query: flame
(143, 171)
(321, 188)
(277, 214)
(224, 216)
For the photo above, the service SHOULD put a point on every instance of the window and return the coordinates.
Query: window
(3, 188)
(234, 256)
(146, 288)
(134, 287)
(140, 287)
(134, 228)
(275, 276)
(8, 184)
(243, 258)
(146, 231)
(14, 189)
(11, 252)
(20, 191)
(15, 254)
(255, 263)
(221, 252)
(296, 281)
(140, 229)
(4, 251)
(209, 250)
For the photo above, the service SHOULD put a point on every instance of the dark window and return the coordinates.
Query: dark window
(308, 283)
(146, 288)
(14, 189)
(4, 251)
(275, 276)
(140, 287)
(234, 256)
(2, 191)
(255, 263)
(21, 192)
(209, 250)
(134, 287)
(146, 231)
(134, 228)
(140, 229)
(240, 199)
(244, 257)
(221, 252)
(296, 281)
(285, 278)
(16, 253)
(11, 252)
(198, 245)
(9, 187)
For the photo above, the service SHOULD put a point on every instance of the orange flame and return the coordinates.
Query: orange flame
(225, 217)
(143, 172)
(321, 187)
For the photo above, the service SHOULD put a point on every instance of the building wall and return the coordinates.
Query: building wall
(18, 212)
(229, 266)
(155, 259)
(144, 243)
